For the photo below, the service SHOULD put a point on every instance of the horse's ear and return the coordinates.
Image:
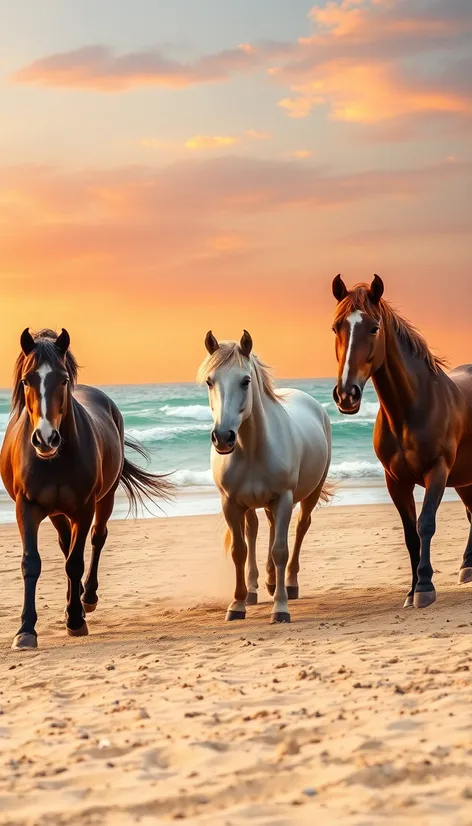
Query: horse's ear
(376, 289)
(27, 342)
(62, 342)
(245, 345)
(339, 289)
(211, 343)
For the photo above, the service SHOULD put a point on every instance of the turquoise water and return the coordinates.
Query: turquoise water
(173, 422)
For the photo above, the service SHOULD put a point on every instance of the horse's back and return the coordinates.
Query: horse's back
(301, 405)
(101, 408)
(462, 378)
(309, 418)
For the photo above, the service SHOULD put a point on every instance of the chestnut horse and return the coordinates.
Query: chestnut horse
(63, 458)
(423, 431)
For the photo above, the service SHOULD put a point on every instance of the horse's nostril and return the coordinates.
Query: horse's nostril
(36, 439)
(231, 437)
(355, 393)
(336, 395)
(55, 439)
(213, 437)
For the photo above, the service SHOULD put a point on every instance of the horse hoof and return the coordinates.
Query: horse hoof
(292, 591)
(408, 602)
(235, 615)
(251, 598)
(279, 616)
(271, 588)
(465, 575)
(25, 641)
(79, 632)
(89, 607)
(422, 599)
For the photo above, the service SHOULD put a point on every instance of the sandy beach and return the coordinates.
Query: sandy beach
(356, 713)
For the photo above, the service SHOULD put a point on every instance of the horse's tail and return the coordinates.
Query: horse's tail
(140, 484)
(327, 492)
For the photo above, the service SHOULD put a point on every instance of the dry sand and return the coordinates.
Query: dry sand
(359, 712)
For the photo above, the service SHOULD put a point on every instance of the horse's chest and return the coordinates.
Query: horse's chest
(250, 484)
(55, 497)
(401, 456)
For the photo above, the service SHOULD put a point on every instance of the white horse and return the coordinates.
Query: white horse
(271, 449)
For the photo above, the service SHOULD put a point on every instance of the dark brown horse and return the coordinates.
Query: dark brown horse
(63, 458)
(423, 432)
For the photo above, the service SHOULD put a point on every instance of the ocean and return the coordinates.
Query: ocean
(173, 422)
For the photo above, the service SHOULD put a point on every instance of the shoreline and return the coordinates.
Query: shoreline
(205, 501)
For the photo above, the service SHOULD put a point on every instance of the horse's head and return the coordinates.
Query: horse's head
(45, 377)
(227, 372)
(360, 340)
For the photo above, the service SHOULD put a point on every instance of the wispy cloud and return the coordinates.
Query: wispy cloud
(206, 142)
(210, 141)
(101, 69)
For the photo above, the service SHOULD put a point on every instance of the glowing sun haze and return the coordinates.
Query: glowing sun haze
(166, 168)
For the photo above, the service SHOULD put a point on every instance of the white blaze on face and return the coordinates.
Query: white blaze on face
(352, 320)
(44, 426)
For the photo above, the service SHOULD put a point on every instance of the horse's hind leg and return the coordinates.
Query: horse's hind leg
(304, 522)
(252, 573)
(103, 511)
(465, 573)
(270, 567)
(282, 513)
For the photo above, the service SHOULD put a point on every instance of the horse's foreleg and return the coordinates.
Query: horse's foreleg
(234, 516)
(435, 483)
(282, 513)
(29, 517)
(103, 512)
(64, 533)
(402, 497)
(252, 526)
(76, 626)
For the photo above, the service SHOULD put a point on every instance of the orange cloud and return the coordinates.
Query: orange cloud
(256, 135)
(301, 154)
(353, 63)
(210, 141)
(368, 94)
(203, 142)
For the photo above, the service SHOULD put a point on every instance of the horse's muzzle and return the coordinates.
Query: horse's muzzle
(46, 449)
(348, 401)
(223, 441)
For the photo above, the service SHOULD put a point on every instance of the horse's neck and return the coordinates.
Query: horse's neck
(69, 422)
(402, 382)
(253, 431)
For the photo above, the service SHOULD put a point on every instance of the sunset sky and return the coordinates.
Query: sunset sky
(170, 167)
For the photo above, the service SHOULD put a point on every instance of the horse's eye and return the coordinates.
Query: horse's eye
(246, 382)
(334, 329)
(209, 383)
(24, 382)
(375, 330)
(65, 382)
